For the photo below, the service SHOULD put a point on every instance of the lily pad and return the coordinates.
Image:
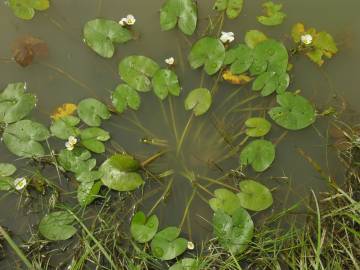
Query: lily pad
(257, 127)
(254, 196)
(23, 138)
(65, 127)
(125, 96)
(77, 161)
(270, 81)
(6, 170)
(295, 112)
(137, 70)
(26, 9)
(224, 200)
(187, 264)
(199, 100)
(91, 111)
(240, 58)
(167, 245)
(165, 81)
(92, 138)
(119, 173)
(101, 34)
(260, 154)
(274, 15)
(15, 103)
(254, 37)
(57, 226)
(233, 232)
(87, 192)
(208, 52)
(181, 12)
(143, 229)
(88, 176)
(233, 7)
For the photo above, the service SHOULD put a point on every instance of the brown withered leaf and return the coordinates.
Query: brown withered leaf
(24, 49)
(236, 79)
(65, 109)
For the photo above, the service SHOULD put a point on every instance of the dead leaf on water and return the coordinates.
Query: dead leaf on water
(64, 110)
(236, 79)
(24, 49)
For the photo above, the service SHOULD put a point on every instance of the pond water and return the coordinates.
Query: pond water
(72, 72)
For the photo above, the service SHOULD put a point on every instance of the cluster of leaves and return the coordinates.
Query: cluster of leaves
(26, 9)
(232, 8)
(6, 172)
(274, 15)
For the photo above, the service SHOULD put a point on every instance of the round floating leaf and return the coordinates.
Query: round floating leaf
(26, 9)
(233, 232)
(260, 154)
(57, 226)
(254, 37)
(240, 58)
(254, 196)
(257, 127)
(166, 245)
(295, 112)
(233, 7)
(119, 173)
(181, 12)
(273, 14)
(224, 200)
(187, 264)
(142, 229)
(92, 138)
(7, 169)
(136, 71)
(87, 192)
(92, 111)
(77, 161)
(65, 127)
(125, 96)
(165, 81)
(23, 138)
(15, 103)
(6, 183)
(101, 34)
(199, 100)
(88, 176)
(209, 52)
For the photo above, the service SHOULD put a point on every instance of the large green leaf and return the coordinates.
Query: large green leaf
(15, 103)
(254, 37)
(101, 34)
(87, 192)
(233, 232)
(92, 138)
(233, 7)
(295, 112)
(119, 173)
(77, 161)
(199, 100)
(273, 14)
(270, 81)
(181, 12)
(254, 196)
(65, 127)
(92, 111)
(240, 58)
(208, 52)
(143, 229)
(165, 81)
(57, 226)
(224, 200)
(167, 245)
(6, 170)
(187, 264)
(257, 127)
(124, 96)
(137, 70)
(25, 9)
(23, 138)
(260, 154)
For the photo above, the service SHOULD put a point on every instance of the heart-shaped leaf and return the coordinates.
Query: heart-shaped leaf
(6, 170)
(257, 127)
(187, 264)
(15, 103)
(254, 196)
(233, 7)
(254, 37)
(101, 34)
(77, 161)
(92, 138)
(240, 58)
(88, 176)
(92, 111)
(26, 9)
(260, 154)
(87, 192)
(143, 229)
(181, 12)
(270, 81)
(137, 70)
(23, 138)
(125, 96)
(199, 100)
(295, 112)
(224, 200)
(57, 226)
(208, 52)
(65, 127)
(165, 81)
(166, 245)
(119, 173)
(273, 14)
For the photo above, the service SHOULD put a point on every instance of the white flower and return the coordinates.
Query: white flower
(170, 61)
(227, 37)
(306, 39)
(122, 22)
(190, 245)
(20, 183)
(130, 19)
(72, 140)
(69, 146)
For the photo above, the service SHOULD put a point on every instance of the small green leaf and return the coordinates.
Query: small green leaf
(233, 7)
(65, 127)
(57, 226)
(92, 138)
(187, 264)
(91, 111)
(224, 200)
(7, 169)
(6, 183)
(125, 96)
(165, 81)
(254, 37)
(87, 192)
(143, 229)
(240, 58)
(199, 100)
(257, 127)
(254, 196)
(26, 9)
(273, 14)
(77, 161)
(260, 154)
(88, 176)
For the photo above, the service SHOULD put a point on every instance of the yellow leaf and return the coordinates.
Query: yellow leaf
(64, 110)
(235, 79)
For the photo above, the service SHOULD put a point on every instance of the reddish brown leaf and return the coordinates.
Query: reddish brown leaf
(24, 49)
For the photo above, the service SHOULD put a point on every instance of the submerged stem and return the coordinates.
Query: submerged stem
(184, 134)
(187, 208)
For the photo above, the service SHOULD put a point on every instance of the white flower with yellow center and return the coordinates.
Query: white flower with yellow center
(20, 183)
(69, 146)
(72, 140)
(122, 22)
(306, 39)
(227, 37)
(130, 19)
(170, 61)
(190, 245)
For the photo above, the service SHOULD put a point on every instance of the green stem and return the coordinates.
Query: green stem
(162, 197)
(184, 134)
(187, 208)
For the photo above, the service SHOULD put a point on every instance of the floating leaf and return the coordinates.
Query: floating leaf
(233, 7)
(136, 71)
(119, 173)
(23, 138)
(65, 109)
(26, 9)
(101, 34)
(254, 37)
(233, 232)
(125, 96)
(273, 14)
(15, 103)
(187, 264)
(240, 58)
(77, 161)
(88, 176)
(224, 200)
(181, 12)
(6, 170)
(167, 245)
(254, 196)
(143, 229)
(165, 81)
(257, 127)
(92, 111)
(236, 79)
(270, 81)
(92, 138)
(209, 52)
(65, 127)
(57, 226)
(26, 48)
(295, 112)
(260, 154)
(199, 100)
(87, 192)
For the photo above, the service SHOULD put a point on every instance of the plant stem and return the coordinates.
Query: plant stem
(184, 134)
(162, 197)
(187, 208)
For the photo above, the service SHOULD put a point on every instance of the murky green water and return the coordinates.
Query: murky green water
(72, 72)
